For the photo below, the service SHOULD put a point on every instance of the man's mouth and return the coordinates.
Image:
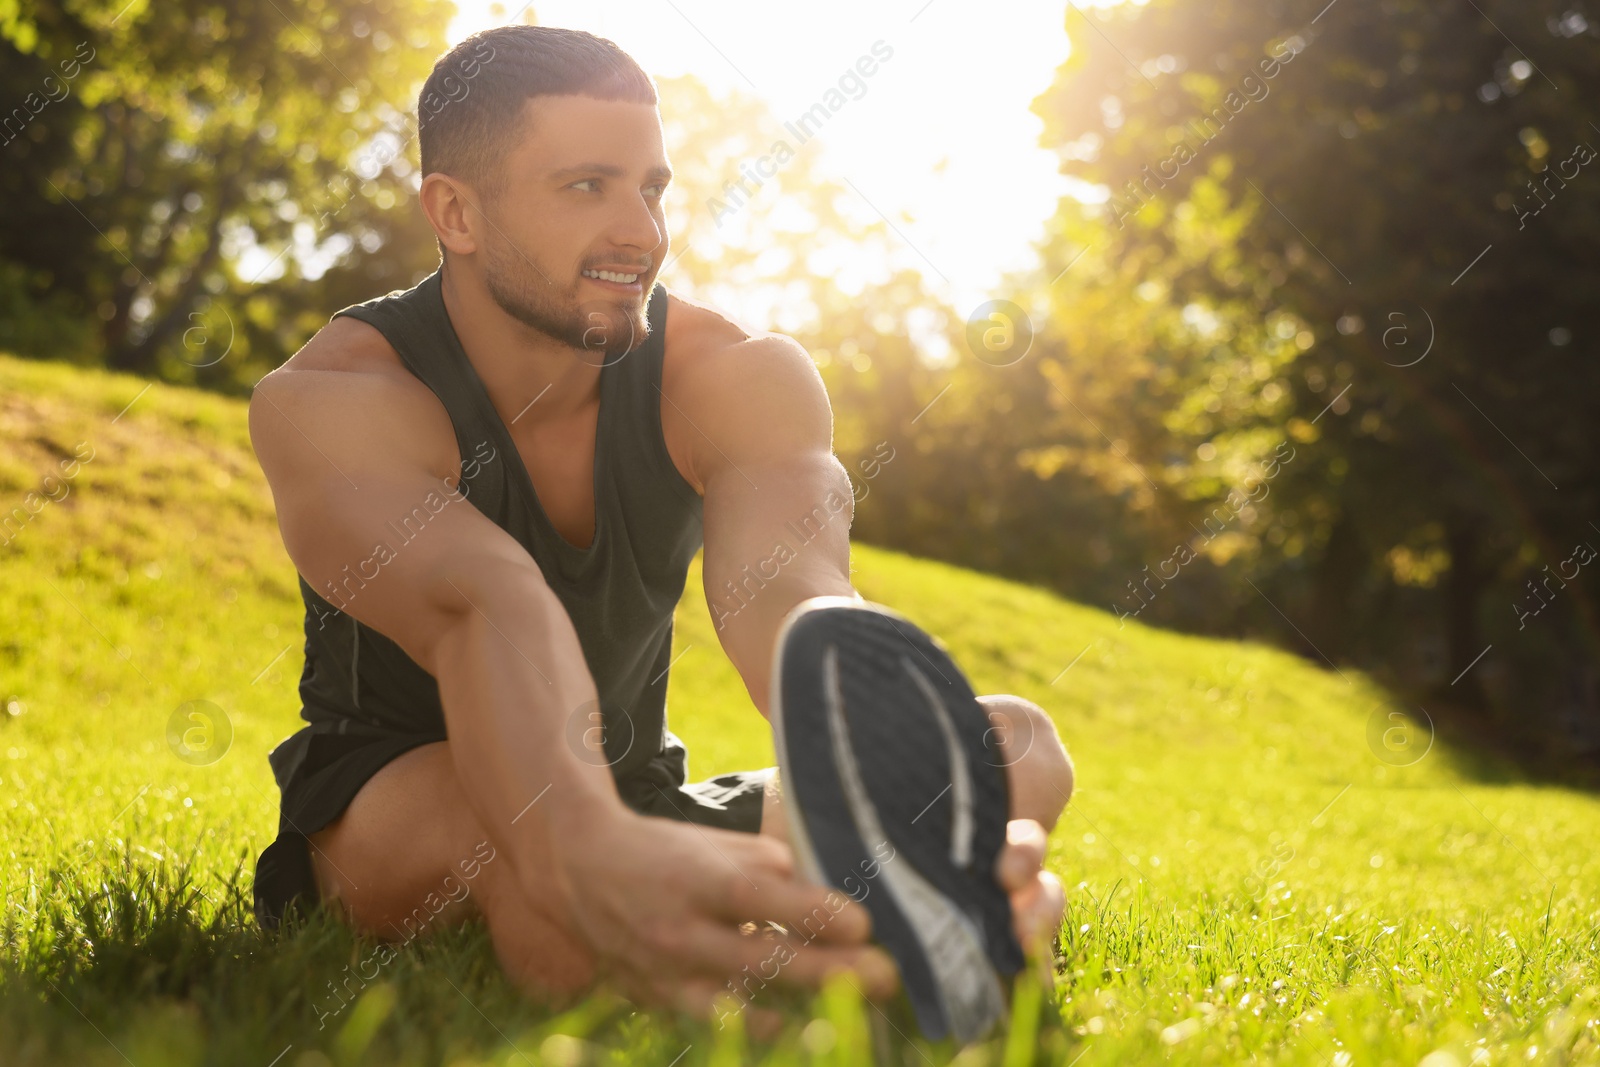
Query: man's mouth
(614, 277)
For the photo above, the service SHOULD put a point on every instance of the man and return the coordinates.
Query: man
(492, 486)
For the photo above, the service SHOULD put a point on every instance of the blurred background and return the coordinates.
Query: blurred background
(1239, 318)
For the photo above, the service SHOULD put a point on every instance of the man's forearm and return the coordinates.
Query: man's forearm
(752, 634)
(806, 512)
(511, 676)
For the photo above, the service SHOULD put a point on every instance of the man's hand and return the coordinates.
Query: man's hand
(1037, 899)
(660, 902)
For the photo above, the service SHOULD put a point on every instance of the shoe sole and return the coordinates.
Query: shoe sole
(889, 775)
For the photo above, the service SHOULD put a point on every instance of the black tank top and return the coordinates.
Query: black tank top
(620, 591)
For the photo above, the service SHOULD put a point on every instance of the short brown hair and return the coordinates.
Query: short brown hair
(468, 110)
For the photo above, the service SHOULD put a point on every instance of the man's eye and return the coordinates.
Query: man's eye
(659, 190)
(587, 181)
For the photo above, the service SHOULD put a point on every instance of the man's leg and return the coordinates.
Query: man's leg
(408, 856)
(1039, 770)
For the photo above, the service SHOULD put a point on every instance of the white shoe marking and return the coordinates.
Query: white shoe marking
(961, 823)
(968, 987)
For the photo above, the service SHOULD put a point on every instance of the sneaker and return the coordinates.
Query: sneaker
(896, 794)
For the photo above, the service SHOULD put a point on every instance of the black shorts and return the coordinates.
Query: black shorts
(321, 768)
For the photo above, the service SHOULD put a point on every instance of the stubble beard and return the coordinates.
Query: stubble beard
(600, 328)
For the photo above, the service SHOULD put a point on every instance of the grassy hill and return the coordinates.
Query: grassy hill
(1265, 860)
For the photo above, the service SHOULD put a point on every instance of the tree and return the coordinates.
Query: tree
(1426, 183)
(187, 135)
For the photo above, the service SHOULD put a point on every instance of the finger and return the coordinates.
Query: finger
(1037, 910)
(700, 948)
(1025, 903)
(793, 962)
(1023, 854)
(751, 855)
(830, 917)
(814, 913)
(759, 882)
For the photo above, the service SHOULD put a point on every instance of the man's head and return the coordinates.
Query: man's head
(543, 162)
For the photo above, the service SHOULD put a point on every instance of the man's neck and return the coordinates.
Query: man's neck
(530, 376)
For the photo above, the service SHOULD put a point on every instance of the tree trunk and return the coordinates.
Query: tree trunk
(140, 358)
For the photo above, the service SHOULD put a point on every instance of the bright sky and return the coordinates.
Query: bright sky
(943, 132)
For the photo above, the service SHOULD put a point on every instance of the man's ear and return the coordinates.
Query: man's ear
(450, 205)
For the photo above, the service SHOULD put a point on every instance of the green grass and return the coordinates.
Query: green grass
(1247, 880)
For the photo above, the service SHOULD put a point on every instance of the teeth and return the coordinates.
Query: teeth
(611, 276)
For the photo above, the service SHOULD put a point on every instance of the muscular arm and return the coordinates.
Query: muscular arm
(778, 504)
(777, 521)
(658, 902)
(346, 453)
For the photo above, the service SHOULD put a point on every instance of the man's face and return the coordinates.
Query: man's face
(580, 196)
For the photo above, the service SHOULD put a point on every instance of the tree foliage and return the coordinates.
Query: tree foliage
(191, 133)
(1373, 243)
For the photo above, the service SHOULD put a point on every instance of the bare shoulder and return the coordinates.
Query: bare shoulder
(347, 346)
(709, 352)
(347, 395)
(733, 391)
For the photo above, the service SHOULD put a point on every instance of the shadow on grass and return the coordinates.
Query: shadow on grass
(1491, 749)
